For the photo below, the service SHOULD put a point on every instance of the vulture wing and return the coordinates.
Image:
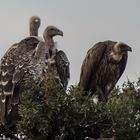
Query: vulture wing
(62, 64)
(123, 64)
(90, 64)
(12, 70)
(38, 65)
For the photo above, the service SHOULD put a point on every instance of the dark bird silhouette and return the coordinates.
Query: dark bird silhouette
(16, 56)
(102, 67)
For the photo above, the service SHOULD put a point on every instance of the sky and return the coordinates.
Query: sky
(83, 22)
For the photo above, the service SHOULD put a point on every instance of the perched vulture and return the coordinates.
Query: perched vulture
(47, 55)
(28, 60)
(16, 56)
(58, 56)
(102, 67)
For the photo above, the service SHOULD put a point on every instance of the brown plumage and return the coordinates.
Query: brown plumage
(12, 70)
(102, 67)
(58, 57)
(29, 61)
(16, 56)
(44, 54)
(63, 68)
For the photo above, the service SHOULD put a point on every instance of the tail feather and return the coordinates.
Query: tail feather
(7, 102)
(15, 99)
(8, 106)
(15, 95)
(2, 108)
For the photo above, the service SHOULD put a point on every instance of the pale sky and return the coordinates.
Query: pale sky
(84, 23)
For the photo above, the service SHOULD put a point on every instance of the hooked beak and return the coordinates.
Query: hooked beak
(128, 48)
(60, 33)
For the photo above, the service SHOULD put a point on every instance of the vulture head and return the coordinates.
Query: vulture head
(51, 31)
(120, 49)
(34, 25)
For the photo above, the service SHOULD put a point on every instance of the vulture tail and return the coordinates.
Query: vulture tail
(2, 108)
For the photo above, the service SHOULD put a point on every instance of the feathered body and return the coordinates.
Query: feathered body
(29, 59)
(103, 66)
(57, 59)
(13, 67)
(12, 70)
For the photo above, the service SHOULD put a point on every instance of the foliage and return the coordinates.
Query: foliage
(48, 113)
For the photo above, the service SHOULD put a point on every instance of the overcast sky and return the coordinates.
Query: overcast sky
(84, 23)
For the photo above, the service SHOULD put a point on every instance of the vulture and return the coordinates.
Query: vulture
(16, 56)
(29, 60)
(58, 57)
(102, 67)
(48, 58)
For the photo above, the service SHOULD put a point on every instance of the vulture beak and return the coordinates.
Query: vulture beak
(128, 48)
(60, 33)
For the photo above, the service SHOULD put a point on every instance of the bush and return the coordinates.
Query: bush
(48, 113)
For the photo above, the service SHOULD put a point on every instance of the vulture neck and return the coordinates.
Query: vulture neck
(49, 42)
(116, 56)
(33, 31)
(51, 47)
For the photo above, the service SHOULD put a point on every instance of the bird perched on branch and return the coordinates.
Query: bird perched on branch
(102, 67)
(58, 56)
(29, 60)
(49, 59)
(16, 56)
